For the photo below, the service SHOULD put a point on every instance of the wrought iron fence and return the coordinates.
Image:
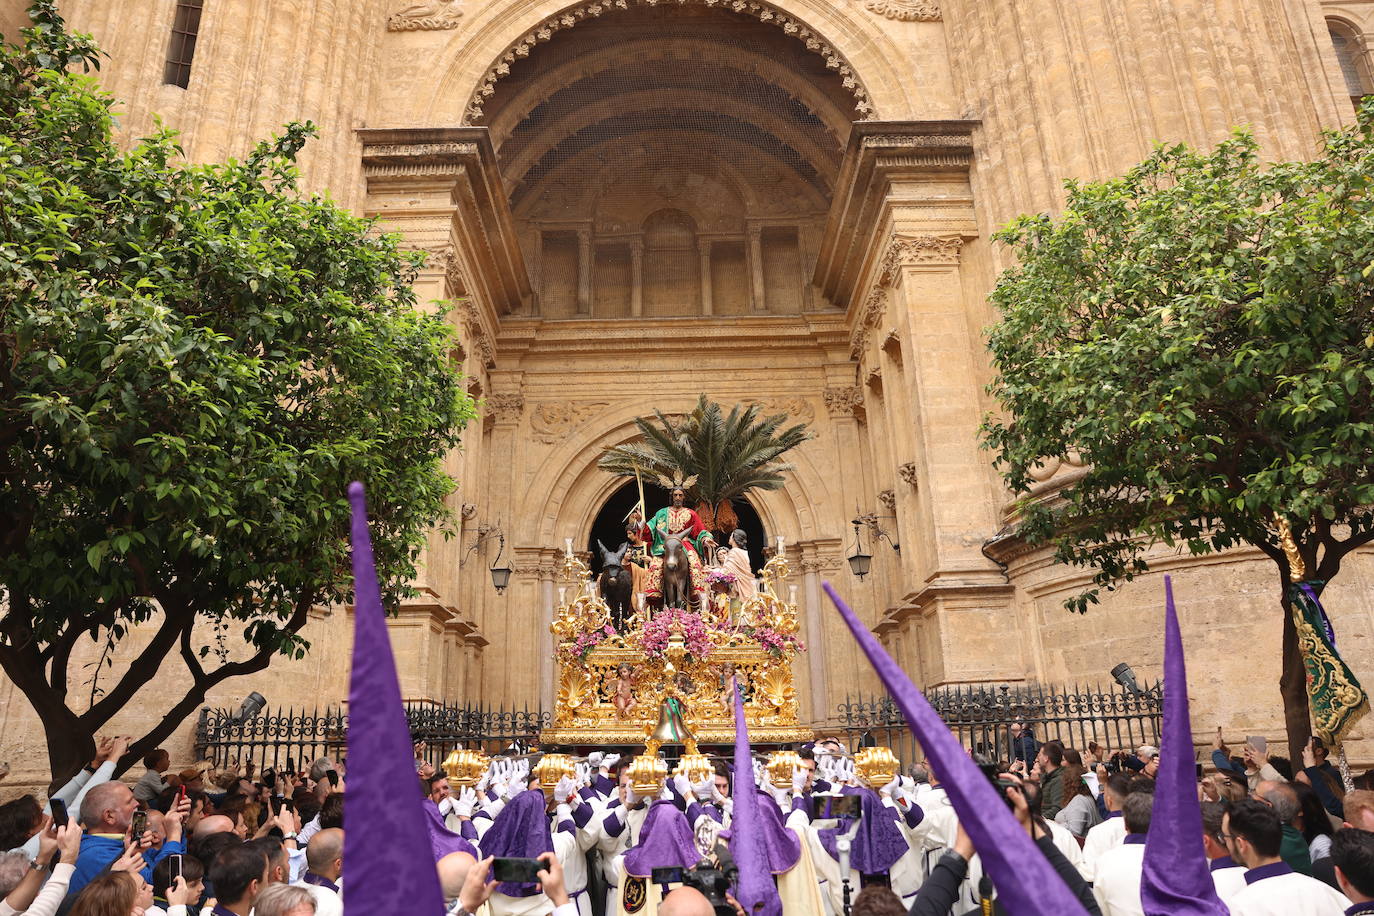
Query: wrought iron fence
(295, 737)
(981, 717)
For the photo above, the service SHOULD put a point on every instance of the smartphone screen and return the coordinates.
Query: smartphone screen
(1199, 771)
(176, 868)
(671, 874)
(825, 807)
(1258, 742)
(518, 871)
(138, 826)
(332, 776)
(59, 812)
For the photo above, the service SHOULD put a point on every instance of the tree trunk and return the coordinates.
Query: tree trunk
(1293, 686)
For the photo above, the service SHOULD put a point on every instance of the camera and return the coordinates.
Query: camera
(714, 880)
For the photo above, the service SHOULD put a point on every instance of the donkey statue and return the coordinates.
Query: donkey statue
(617, 584)
(676, 581)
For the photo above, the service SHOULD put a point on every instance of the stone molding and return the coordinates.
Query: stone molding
(905, 10)
(763, 12)
(431, 15)
(844, 400)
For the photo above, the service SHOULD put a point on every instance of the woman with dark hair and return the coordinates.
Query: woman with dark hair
(737, 562)
(19, 820)
(1078, 808)
(1313, 823)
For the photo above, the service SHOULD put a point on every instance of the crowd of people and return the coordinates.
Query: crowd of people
(234, 842)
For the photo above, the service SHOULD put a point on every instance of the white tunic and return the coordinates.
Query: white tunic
(1229, 882)
(1117, 882)
(1106, 835)
(1288, 894)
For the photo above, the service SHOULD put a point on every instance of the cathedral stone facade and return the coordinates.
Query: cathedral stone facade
(787, 203)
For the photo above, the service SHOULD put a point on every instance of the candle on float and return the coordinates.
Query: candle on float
(791, 594)
(567, 547)
(562, 594)
(780, 543)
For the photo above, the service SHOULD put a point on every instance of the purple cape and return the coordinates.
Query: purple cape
(754, 889)
(441, 838)
(520, 831)
(877, 843)
(391, 863)
(1175, 880)
(1027, 885)
(782, 845)
(664, 840)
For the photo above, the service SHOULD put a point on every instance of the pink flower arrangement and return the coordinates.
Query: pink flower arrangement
(695, 633)
(586, 641)
(773, 642)
(720, 577)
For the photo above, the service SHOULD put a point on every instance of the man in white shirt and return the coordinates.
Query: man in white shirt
(1116, 882)
(1253, 834)
(1108, 834)
(324, 861)
(1228, 875)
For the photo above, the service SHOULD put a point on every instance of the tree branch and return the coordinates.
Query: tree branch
(143, 668)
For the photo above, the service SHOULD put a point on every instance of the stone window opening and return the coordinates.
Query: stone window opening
(1353, 58)
(182, 48)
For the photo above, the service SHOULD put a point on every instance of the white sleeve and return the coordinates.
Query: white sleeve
(567, 909)
(102, 774)
(52, 893)
(68, 792)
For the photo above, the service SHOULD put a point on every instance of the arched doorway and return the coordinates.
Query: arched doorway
(609, 526)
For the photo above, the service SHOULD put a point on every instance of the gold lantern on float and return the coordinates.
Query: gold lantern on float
(465, 768)
(647, 773)
(550, 769)
(876, 766)
(780, 766)
(695, 767)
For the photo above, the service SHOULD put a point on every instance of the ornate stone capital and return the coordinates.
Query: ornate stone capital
(506, 406)
(427, 16)
(908, 473)
(842, 401)
(905, 250)
(888, 499)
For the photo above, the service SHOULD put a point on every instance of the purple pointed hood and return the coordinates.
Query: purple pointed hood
(1027, 884)
(754, 889)
(1176, 880)
(443, 840)
(877, 843)
(665, 840)
(520, 831)
(391, 866)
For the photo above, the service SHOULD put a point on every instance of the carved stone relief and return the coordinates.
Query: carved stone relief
(553, 422)
(905, 10)
(798, 409)
(908, 473)
(430, 15)
(506, 405)
(888, 499)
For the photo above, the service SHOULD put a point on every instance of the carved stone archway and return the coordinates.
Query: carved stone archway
(572, 16)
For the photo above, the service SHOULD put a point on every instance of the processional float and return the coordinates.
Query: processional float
(676, 667)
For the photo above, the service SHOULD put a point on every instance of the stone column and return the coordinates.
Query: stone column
(636, 277)
(813, 607)
(584, 271)
(706, 305)
(755, 256)
(547, 675)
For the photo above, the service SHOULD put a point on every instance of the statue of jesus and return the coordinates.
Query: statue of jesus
(674, 520)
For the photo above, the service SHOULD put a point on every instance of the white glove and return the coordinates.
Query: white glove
(844, 771)
(706, 789)
(565, 790)
(485, 781)
(825, 767)
(562, 812)
(683, 786)
(594, 758)
(782, 796)
(584, 775)
(493, 806)
(446, 807)
(727, 807)
(465, 803)
(631, 799)
(607, 762)
(667, 793)
(799, 775)
(888, 790)
(760, 775)
(522, 769)
(514, 787)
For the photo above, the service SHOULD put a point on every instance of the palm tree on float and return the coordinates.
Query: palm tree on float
(726, 455)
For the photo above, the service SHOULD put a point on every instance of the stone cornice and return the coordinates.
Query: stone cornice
(881, 154)
(589, 338)
(457, 167)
